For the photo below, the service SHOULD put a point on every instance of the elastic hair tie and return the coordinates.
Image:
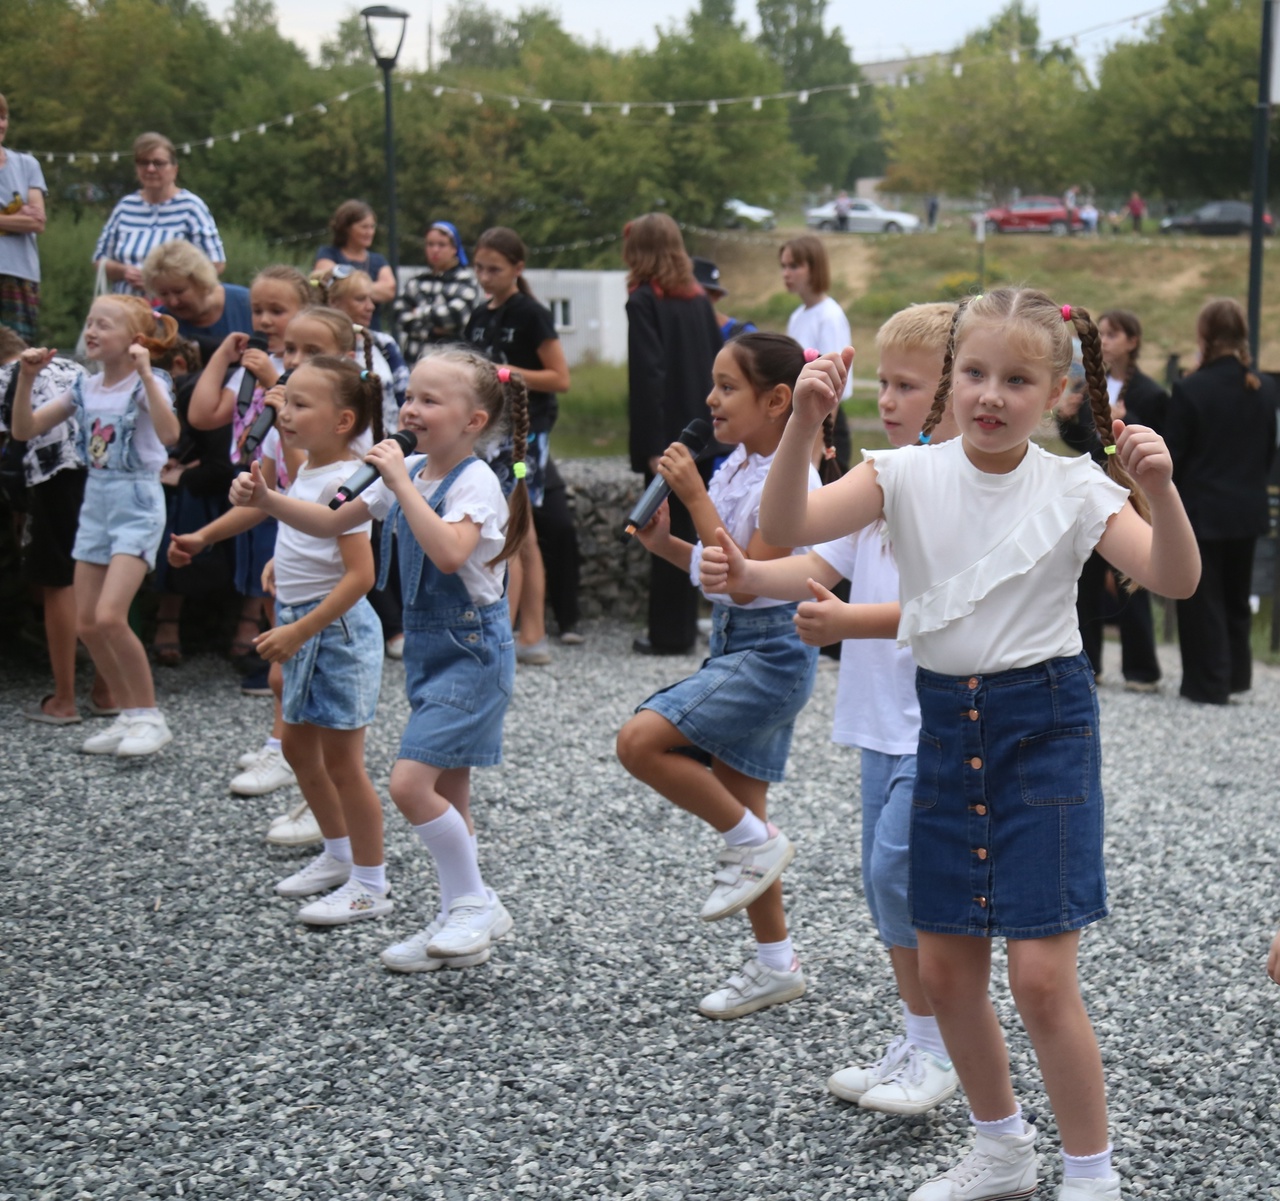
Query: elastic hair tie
(924, 439)
(1066, 312)
(504, 375)
(1110, 449)
(810, 354)
(520, 469)
(364, 375)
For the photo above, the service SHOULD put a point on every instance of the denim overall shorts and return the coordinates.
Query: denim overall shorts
(123, 511)
(459, 657)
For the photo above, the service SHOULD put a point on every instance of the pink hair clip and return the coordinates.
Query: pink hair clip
(504, 375)
(1066, 312)
(810, 354)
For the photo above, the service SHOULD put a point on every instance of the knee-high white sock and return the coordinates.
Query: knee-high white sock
(449, 843)
(923, 1032)
(1087, 1167)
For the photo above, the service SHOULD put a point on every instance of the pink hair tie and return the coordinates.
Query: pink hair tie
(1066, 312)
(504, 375)
(811, 354)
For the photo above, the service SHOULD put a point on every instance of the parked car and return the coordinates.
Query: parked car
(751, 216)
(1217, 217)
(1032, 214)
(865, 217)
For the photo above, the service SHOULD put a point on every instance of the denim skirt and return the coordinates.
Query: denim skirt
(333, 680)
(740, 706)
(1007, 811)
(459, 669)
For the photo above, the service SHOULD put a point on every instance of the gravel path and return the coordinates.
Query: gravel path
(170, 1030)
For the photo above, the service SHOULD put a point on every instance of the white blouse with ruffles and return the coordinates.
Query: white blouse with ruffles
(989, 563)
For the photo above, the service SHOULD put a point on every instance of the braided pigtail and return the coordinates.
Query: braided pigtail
(319, 288)
(829, 470)
(939, 408)
(366, 337)
(516, 402)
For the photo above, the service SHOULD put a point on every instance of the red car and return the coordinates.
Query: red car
(1032, 214)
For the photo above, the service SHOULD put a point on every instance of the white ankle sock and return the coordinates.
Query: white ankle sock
(749, 832)
(777, 955)
(373, 878)
(1010, 1125)
(922, 1031)
(141, 712)
(450, 845)
(339, 849)
(1087, 1167)
(271, 744)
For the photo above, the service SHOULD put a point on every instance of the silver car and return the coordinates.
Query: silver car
(865, 217)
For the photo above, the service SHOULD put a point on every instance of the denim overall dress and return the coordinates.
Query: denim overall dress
(459, 657)
(123, 511)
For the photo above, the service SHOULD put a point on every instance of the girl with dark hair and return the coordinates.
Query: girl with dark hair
(353, 227)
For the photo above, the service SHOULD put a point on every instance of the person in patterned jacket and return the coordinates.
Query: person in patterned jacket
(434, 306)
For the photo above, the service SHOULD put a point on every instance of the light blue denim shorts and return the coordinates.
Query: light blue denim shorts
(741, 704)
(333, 680)
(123, 514)
(887, 784)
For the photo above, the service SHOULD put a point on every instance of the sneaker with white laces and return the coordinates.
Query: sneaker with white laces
(921, 1082)
(321, 873)
(755, 987)
(473, 924)
(297, 828)
(411, 955)
(1079, 1188)
(146, 735)
(850, 1083)
(353, 902)
(999, 1168)
(265, 774)
(106, 741)
(743, 873)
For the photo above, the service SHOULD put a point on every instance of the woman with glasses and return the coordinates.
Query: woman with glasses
(158, 212)
(353, 227)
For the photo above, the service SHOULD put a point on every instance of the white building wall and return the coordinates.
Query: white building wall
(589, 309)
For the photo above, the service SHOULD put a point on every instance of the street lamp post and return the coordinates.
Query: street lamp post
(385, 28)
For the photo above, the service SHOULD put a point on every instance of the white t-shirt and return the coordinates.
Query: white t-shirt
(735, 491)
(989, 563)
(475, 494)
(1113, 389)
(100, 400)
(876, 704)
(824, 328)
(309, 568)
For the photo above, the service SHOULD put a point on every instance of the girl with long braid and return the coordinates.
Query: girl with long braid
(990, 532)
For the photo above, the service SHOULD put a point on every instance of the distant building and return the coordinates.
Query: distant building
(589, 309)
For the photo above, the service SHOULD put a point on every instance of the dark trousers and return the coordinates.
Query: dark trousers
(673, 601)
(1214, 623)
(1095, 606)
(386, 601)
(558, 541)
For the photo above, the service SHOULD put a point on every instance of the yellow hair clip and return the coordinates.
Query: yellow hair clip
(520, 470)
(1110, 449)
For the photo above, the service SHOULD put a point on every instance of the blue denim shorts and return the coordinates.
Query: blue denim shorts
(459, 670)
(123, 514)
(1007, 813)
(254, 548)
(741, 704)
(888, 782)
(333, 680)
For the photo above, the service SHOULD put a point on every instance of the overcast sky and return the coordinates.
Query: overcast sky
(875, 30)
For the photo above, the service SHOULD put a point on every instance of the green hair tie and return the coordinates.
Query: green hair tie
(520, 470)
(1110, 449)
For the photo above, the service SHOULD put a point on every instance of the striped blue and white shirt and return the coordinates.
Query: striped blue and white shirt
(136, 227)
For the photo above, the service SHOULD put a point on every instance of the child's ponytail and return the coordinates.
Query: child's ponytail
(354, 389)
(938, 409)
(158, 332)
(515, 395)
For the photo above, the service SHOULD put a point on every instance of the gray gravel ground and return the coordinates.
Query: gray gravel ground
(170, 1030)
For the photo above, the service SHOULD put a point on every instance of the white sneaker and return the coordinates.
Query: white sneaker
(144, 736)
(106, 741)
(473, 925)
(265, 774)
(297, 828)
(755, 987)
(997, 1169)
(850, 1083)
(1077, 1188)
(321, 873)
(249, 758)
(743, 873)
(353, 902)
(920, 1083)
(411, 955)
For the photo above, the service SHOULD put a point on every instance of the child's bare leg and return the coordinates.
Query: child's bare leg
(103, 597)
(357, 798)
(60, 634)
(955, 972)
(454, 785)
(303, 748)
(1043, 979)
(533, 597)
(906, 971)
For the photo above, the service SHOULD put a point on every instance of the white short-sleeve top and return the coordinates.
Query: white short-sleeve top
(988, 563)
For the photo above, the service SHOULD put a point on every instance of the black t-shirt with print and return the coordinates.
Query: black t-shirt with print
(511, 334)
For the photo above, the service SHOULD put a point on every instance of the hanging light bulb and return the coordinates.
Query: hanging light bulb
(344, 96)
(625, 110)
(756, 104)
(71, 158)
(93, 158)
(546, 106)
(186, 147)
(208, 143)
(477, 97)
(262, 128)
(712, 107)
(854, 91)
(289, 119)
(235, 137)
(1014, 56)
(115, 157)
(515, 103)
(586, 110)
(320, 108)
(803, 97)
(408, 85)
(957, 69)
(671, 110)
(437, 91)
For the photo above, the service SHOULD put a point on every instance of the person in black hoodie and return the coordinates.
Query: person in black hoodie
(672, 341)
(1221, 433)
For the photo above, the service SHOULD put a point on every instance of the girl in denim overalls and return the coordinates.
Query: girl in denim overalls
(126, 419)
(454, 534)
(990, 533)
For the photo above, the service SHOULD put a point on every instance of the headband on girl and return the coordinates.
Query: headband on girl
(810, 354)
(504, 375)
(447, 227)
(1066, 312)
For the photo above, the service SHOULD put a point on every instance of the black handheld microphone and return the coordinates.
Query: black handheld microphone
(695, 436)
(249, 381)
(367, 472)
(262, 423)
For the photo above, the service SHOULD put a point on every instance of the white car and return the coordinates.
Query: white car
(865, 217)
(740, 213)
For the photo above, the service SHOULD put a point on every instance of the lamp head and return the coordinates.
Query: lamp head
(384, 26)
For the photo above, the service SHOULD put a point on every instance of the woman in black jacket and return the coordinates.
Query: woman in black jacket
(1221, 432)
(672, 342)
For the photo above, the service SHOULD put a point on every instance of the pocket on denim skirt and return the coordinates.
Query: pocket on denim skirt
(924, 793)
(1056, 768)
